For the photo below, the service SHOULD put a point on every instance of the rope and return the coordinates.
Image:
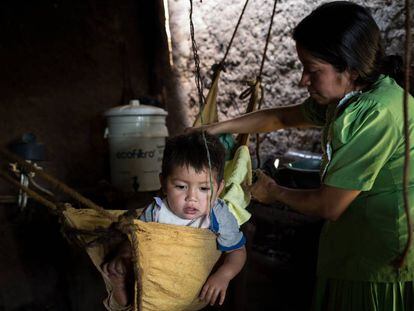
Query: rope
(252, 87)
(257, 134)
(234, 32)
(100, 235)
(248, 91)
(198, 80)
(124, 224)
(138, 281)
(402, 259)
(260, 75)
(267, 38)
(57, 184)
(201, 98)
(29, 192)
(221, 65)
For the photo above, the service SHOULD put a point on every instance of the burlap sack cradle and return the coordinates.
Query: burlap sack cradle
(173, 261)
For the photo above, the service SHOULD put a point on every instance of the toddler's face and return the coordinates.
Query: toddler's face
(188, 192)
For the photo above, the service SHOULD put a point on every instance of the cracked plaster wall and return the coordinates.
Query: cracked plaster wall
(214, 22)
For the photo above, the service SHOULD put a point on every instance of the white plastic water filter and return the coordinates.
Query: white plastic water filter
(136, 134)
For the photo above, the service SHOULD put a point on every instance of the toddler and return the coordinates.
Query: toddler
(190, 199)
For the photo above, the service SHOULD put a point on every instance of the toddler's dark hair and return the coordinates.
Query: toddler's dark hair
(189, 150)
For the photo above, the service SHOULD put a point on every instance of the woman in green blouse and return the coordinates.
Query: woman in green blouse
(360, 110)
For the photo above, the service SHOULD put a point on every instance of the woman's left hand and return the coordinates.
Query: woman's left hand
(264, 189)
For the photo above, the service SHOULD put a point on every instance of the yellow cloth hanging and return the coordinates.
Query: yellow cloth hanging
(209, 111)
(173, 261)
(256, 94)
(237, 172)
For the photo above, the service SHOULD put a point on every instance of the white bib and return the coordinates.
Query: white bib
(166, 216)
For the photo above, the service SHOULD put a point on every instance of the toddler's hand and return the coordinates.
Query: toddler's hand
(116, 270)
(215, 287)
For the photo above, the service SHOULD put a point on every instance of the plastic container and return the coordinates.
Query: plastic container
(136, 135)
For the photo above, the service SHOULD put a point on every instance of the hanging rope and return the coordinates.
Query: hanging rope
(210, 111)
(221, 65)
(197, 76)
(260, 75)
(406, 177)
(267, 39)
(30, 192)
(248, 91)
(257, 134)
(257, 87)
(57, 184)
(234, 34)
(122, 224)
(201, 98)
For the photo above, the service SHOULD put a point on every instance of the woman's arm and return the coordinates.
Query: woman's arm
(216, 285)
(261, 121)
(326, 202)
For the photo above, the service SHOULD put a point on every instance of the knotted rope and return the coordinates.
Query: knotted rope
(255, 90)
(121, 225)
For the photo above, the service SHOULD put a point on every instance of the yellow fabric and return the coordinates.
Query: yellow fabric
(254, 100)
(173, 261)
(238, 172)
(89, 219)
(209, 112)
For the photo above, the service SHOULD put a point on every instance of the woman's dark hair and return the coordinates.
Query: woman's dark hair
(345, 35)
(189, 150)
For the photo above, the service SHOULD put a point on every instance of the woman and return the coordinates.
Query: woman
(360, 109)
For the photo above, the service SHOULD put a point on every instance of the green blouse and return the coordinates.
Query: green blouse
(364, 150)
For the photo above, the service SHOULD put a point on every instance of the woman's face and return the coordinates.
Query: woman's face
(324, 83)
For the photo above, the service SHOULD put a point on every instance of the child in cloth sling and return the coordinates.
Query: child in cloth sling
(189, 191)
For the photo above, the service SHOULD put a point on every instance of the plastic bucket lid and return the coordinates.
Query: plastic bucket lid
(135, 109)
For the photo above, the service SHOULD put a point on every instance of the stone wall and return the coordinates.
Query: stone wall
(214, 23)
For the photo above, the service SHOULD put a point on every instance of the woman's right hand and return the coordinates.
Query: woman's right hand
(206, 128)
(264, 189)
(189, 130)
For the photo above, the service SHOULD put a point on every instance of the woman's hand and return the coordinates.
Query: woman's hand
(264, 189)
(189, 130)
(206, 128)
(326, 201)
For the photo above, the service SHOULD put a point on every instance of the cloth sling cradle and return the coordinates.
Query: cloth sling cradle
(172, 262)
(166, 276)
